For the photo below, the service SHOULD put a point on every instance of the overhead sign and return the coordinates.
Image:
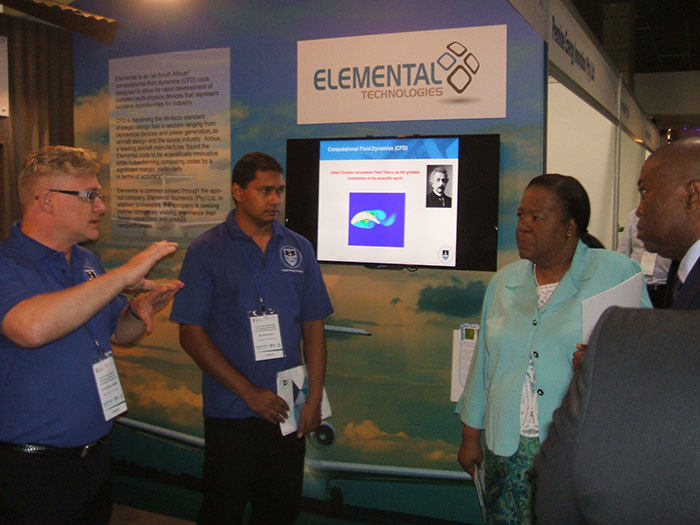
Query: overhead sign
(421, 75)
(631, 115)
(535, 13)
(575, 53)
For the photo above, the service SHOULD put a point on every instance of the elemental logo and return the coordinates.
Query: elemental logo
(463, 65)
(420, 75)
(403, 80)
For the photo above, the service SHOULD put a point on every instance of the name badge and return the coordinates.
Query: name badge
(108, 386)
(267, 337)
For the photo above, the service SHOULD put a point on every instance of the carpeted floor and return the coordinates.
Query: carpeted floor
(122, 515)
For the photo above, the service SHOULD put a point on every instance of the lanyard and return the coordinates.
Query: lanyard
(88, 324)
(259, 287)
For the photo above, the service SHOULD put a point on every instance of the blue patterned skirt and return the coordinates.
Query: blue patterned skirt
(509, 484)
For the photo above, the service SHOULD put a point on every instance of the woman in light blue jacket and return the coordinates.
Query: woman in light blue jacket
(530, 325)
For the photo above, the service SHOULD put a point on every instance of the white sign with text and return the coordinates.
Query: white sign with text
(170, 144)
(421, 75)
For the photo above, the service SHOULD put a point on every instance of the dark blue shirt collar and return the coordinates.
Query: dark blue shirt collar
(33, 249)
(234, 230)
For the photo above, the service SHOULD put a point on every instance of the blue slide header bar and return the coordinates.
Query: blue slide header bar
(398, 148)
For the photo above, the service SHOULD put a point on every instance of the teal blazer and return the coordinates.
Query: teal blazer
(512, 328)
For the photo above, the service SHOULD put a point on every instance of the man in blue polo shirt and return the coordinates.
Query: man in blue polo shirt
(59, 314)
(253, 292)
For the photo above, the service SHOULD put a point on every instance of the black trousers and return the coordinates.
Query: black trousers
(248, 460)
(54, 488)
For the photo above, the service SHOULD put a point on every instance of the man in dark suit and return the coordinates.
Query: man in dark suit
(623, 446)
(669, 216)
(437, 198)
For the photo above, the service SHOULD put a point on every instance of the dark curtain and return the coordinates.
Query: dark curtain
(40, 78)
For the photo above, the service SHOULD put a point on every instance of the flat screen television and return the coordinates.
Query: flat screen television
(392, 202)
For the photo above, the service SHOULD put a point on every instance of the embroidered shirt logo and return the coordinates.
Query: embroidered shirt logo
(290, 256)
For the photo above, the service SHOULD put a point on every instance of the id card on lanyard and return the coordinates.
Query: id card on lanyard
(264, 322)
(109, 388)
(267, 337)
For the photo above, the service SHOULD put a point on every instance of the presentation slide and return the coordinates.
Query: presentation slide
(389, 201)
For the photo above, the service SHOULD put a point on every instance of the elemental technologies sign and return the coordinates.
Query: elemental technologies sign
(441, 74)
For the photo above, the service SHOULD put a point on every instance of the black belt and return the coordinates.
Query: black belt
(31, 448)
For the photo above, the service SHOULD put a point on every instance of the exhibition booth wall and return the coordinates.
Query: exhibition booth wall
(585, 143)
(596, 130)
(257, 73)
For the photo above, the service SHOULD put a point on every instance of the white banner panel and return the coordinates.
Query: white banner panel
(631, 115)
(572, 51)
(421, 75)
(581, 143)
(169, 143)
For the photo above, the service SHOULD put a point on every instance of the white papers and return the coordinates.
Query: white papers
(627, 293)
(463, 345)
(480, 485)
(293, 387)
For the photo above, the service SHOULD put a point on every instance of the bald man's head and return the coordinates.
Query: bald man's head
(669, 210)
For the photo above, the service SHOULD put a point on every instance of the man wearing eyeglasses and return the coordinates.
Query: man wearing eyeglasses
(60, 312)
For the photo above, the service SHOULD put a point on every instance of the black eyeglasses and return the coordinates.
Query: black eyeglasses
(91, 196)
